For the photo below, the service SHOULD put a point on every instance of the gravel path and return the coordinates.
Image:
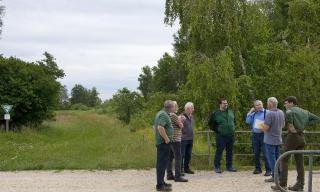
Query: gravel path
(131, 180)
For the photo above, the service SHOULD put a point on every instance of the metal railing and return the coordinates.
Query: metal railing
(310, 153)
(209, 142)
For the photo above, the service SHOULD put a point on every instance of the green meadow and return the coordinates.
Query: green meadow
(77, 140)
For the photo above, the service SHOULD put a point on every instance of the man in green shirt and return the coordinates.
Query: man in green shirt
(222, 122)
(297, 119)
(163, 137)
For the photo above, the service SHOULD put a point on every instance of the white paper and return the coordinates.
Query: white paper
(258, 124)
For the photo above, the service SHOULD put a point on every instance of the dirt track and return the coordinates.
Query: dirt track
(131, 180)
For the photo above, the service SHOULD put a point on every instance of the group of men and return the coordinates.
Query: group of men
(174, 140)
(267, 125)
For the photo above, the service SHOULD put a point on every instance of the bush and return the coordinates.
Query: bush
(32, 89)
(79, 106)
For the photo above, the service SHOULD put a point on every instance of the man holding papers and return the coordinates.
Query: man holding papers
(256, 117)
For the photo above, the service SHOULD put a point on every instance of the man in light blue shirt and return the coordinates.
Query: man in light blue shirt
(256, 117)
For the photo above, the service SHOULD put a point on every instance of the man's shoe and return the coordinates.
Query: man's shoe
(217, 170)
(180, 179)
(170, 177)
(270, 180)
(167, 184)
(257, 171)
(276, 188)
(296, 187)
(267, 174)
(163, 188)
(188, 171)
(231, 169)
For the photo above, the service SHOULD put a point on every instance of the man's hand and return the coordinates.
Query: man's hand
(167, 141)
(292, 129)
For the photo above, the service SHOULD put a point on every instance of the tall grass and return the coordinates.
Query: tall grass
(77, 140)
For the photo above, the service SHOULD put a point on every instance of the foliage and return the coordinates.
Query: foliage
(31, 88)
(125, 104)
(80, 94)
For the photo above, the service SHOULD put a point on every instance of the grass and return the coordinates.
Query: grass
(91, 141)
(77, 140)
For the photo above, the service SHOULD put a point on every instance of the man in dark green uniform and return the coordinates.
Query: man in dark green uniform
(297, 119)
(163, 137)
(222, 121)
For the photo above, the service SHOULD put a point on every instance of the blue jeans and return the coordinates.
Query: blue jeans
(224, 142)
(273, 152)
(186, 152)
(258, 148)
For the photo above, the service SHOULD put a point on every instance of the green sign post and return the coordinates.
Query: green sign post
(7, 109)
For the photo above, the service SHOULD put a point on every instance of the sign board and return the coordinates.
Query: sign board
(6, 108)
(6, 116)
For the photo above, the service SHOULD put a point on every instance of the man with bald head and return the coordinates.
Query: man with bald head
(163, 137)
(256, 117)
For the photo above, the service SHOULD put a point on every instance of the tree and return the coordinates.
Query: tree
(125, 104)
(50, 66)
(146, 82)
(33, 92)
(79, 94)
(94, 99)
(63, 98)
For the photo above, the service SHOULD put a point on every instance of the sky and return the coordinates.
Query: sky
(101, 43)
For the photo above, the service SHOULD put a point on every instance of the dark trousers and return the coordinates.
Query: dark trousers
(163, 152)
(295, 141)
(175, 153)
(186, 151)
(258, 148)
(224, 142)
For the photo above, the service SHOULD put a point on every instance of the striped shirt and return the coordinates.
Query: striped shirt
(176, 129)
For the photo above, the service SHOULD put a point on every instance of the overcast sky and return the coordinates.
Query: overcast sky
(101, 43)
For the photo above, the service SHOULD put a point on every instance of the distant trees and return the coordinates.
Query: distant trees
(80, 94)
(32, 89)
(126, 104)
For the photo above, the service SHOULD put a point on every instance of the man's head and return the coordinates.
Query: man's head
(258, 105)
(169, 106)
(223, 103)
(176, 107)
(189, 108)
(272, 102)
(290, 102)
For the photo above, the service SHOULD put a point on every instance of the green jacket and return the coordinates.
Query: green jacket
(300, 118)
(222, 122)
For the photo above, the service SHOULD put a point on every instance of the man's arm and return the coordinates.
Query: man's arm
(163, 133)
(249, 118)
(267, 123)
(313, 119)
(212, 122)
(265, 127)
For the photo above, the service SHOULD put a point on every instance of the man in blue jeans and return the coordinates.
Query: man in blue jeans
(256, 117)
(272, 128)
(187, 139)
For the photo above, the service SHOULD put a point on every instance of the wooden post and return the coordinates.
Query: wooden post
(7, 125)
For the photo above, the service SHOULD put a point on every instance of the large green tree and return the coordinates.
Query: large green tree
(30, 88)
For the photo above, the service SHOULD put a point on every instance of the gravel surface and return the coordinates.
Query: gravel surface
(132, 180)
